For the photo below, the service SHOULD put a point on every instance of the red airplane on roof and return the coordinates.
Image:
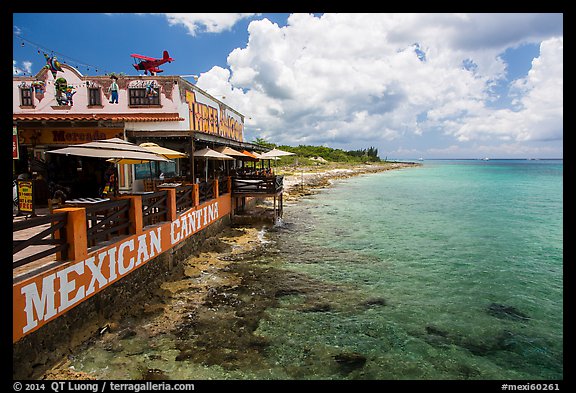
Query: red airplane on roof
(150, 64)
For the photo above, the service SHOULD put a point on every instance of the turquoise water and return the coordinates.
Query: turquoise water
(452, 270)
(445, 245)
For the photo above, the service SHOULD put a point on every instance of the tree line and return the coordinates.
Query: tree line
(329, 154)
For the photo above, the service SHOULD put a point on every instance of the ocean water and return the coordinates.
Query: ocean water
(449, 271)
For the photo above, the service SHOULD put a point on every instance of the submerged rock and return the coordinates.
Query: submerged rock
(317, 307)
(435, 331)
(350, 361)
(374, 301)
(506, 312)
(154, 374)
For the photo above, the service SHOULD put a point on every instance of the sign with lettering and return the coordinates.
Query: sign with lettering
(210, 117)
(59, 136)
(26, 196)
(47, 295)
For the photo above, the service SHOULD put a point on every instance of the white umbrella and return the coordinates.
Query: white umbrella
(276, 153)
(115, 149)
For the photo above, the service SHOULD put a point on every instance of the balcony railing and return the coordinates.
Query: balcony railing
(249, 185)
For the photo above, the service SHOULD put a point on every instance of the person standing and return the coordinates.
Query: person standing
(110, 179)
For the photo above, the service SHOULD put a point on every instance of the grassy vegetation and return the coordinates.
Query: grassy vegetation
(314, 155)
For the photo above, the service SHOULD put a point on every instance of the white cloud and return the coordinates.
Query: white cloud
(358, 78)
(210, 23)
(539, 110)
(25, 68)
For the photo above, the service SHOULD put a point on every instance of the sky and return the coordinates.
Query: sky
(423, 85)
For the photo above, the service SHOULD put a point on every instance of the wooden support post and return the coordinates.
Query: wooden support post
(274, 209)
(135, 213)
(215, 188)
(171, 212)
(196, 194)
(76, 233)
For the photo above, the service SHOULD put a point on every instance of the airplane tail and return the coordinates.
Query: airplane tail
(166, 57)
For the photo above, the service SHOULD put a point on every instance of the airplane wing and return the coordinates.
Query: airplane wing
(136, 56)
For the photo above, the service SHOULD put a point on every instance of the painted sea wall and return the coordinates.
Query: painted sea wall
(59, 309)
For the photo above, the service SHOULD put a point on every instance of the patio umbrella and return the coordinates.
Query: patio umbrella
(164, 151)
(115, 149)
(277, 153)
(230, 152)
(210, 154)
(249, 156)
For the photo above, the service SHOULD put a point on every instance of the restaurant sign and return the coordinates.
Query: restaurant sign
(211, 117)
(62, 136)
(45, 296)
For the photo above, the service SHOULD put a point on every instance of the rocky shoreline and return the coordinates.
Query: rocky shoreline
(212, 311)
(303, 181)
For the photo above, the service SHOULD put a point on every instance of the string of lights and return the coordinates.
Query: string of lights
(62, 58)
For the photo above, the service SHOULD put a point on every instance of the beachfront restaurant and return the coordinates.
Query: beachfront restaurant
(67, 261)
(52, 111)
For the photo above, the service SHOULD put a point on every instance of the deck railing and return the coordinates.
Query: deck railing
(184, 197)
(206, 190)
(105, 220)
(154, 208)
(257, 184)
(56, 233)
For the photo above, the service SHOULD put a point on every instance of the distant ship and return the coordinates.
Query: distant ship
(421, 159)
(485, 159)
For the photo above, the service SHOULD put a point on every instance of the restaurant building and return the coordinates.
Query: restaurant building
(55, 110)
(81, 263)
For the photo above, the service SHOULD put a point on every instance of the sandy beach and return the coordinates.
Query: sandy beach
(213, 309)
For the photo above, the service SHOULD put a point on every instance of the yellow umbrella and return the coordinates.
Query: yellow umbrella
(164, 151)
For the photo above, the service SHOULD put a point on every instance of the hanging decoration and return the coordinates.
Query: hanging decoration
(57, 62)
(53, 65)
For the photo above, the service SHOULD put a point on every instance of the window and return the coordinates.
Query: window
(94, 96)
(144, 96)
(152, 170)
(26, 96)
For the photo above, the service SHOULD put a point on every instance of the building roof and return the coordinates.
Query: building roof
(136, 117)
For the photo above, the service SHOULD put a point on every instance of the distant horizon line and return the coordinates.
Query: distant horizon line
(475, 159)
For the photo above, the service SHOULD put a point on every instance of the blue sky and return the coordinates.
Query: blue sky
(412, 85)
